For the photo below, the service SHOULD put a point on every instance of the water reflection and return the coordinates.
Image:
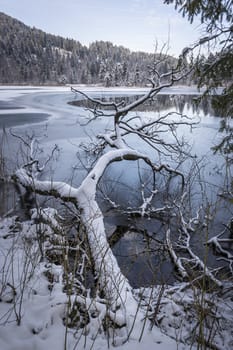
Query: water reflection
(158, 103)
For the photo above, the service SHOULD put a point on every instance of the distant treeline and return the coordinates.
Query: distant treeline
(29, 55)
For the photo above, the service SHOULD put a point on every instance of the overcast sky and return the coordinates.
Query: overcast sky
(135, 24)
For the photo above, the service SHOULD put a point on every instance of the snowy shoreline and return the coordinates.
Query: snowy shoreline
(41, 302)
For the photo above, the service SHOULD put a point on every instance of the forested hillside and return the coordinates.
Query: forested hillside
(29, 55)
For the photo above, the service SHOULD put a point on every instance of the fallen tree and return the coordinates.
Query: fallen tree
(112, 289)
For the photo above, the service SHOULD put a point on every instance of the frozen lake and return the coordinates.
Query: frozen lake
(45, 113)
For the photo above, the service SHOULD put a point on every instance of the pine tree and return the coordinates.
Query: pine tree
(217, 69)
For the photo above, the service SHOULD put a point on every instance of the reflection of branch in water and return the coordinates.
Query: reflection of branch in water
(146, 238)
(118, 233)
(155, 104)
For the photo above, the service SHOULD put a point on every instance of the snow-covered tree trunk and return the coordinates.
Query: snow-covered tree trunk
(121, 304)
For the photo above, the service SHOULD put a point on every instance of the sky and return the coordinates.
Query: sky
(135, 24)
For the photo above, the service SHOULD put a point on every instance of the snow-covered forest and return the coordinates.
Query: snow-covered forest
(35, 57)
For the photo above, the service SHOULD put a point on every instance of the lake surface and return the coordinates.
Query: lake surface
(45, 112)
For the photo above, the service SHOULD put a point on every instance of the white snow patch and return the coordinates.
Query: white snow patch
(25, 297)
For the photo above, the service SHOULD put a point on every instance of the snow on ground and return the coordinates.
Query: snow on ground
(33, 305)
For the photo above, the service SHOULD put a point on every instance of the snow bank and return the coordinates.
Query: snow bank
(32, 311)
(33, 304)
